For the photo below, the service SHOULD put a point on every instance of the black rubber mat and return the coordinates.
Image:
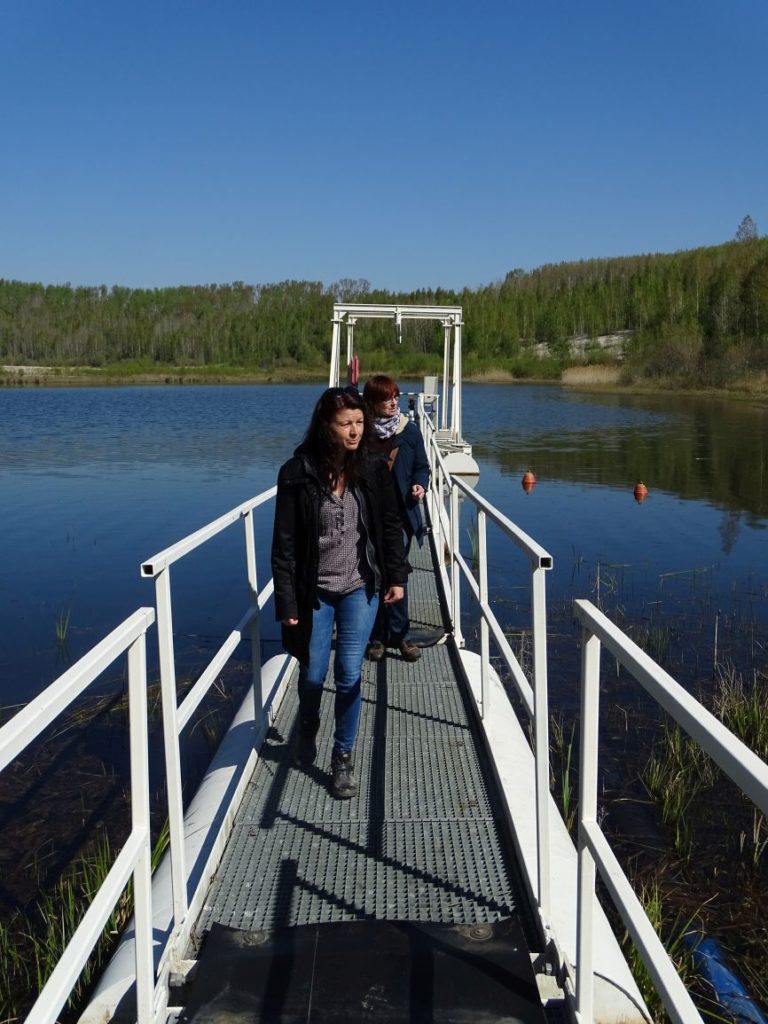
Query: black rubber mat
(380, 972)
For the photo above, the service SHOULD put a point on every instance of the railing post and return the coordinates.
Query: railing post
(140, 820)
(455, 571)
(541, 734)
(484, 634)
(590, 706)
(171, 742)
(437, 525)
(253, 600)
(435, 493)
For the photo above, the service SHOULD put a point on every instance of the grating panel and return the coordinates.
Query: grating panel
(420, 841)
(416, 871)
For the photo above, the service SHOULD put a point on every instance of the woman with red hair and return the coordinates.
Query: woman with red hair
(399, 440)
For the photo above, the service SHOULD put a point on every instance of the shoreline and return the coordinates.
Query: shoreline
(583, 378)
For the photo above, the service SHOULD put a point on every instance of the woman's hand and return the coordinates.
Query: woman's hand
(290, 622)
(393, 594)
(417, 492)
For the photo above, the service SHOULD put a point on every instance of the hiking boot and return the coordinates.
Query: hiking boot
(343, 781)
(375, 651)
(409, 651)
(306, 747)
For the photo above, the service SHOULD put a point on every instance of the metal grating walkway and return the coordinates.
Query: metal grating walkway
(421, 842)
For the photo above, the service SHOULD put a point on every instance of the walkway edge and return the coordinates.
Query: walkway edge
(207, 824)
(617, 997)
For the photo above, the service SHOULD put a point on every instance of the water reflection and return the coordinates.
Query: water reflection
(692, 447)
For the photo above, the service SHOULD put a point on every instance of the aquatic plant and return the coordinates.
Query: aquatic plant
(561, 747)
(474, 544)
(62, 625)
(675, 773)
(33, 941)
(678, 930)
(741, 706)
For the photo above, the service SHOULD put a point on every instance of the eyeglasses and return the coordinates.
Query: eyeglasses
(337, 395)
(350, 389)
(393, 398)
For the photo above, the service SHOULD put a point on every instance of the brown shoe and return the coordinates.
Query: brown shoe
(375, 651)
(343, 781)
(409, 651)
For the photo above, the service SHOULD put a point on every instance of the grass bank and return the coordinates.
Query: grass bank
(597, 376)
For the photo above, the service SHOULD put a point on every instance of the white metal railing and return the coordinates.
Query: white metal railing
(747, 770)
(444, 511)
(177, 715)
(135, 857)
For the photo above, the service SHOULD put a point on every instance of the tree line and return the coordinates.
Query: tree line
(699, 315)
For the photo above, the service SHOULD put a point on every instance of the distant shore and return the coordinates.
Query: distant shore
(594, 378)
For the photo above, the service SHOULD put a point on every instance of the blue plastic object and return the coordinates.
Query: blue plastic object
(710, 961)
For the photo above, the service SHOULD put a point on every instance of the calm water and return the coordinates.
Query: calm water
(93, 481)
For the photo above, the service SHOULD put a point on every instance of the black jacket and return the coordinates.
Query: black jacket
(295, 547)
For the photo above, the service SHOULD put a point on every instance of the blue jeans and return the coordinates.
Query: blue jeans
(393, 624)
(354, 615)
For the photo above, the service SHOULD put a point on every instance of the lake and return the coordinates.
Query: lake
(95, 480)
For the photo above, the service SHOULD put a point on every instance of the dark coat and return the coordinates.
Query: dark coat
(295, 545)
(410, 466)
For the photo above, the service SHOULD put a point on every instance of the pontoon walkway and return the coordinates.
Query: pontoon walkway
(422, 843)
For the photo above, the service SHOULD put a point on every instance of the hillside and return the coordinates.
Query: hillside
(696, 318)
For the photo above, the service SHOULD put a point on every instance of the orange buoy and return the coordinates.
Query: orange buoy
(641, 492)
(528, 481)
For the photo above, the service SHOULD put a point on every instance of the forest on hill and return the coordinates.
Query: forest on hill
(697, 317)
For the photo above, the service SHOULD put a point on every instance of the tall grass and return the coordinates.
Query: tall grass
(678, 931)
(742, 706)
(33, 941)
(674, 775)
(561, 745)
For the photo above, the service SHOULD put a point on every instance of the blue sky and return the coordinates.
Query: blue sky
(412, 143)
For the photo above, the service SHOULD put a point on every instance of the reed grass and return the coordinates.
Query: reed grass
(474, 545)
(62, 625)
(33, 941)
(741, 706)
(561, 746)
(674, 775)
(680, 933)
(654, 636)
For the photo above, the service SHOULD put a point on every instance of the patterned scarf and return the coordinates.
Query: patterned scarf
(385, 426)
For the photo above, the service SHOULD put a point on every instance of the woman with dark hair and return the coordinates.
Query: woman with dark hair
(399, 440)
(336, 549)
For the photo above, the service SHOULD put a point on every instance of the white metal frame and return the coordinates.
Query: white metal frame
(451, 319)
(135, 857)
(747, 770)
(175, 715)
(447, 488)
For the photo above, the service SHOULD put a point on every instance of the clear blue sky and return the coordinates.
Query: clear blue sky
(414, 144)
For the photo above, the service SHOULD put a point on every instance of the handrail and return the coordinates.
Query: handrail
(168, 556)
(176, 715)
(135, 856)
(445, 526)
(743, 766)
